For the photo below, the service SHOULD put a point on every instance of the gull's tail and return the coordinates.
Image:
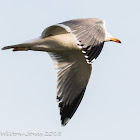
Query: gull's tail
(36, 45)
(28, 45)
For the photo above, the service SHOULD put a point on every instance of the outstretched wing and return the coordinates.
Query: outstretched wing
(89, 34)
(73, 77)
(74, 71)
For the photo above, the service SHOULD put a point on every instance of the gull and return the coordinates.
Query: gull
(73, 46)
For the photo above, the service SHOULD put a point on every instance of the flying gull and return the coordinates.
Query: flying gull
(73, 45)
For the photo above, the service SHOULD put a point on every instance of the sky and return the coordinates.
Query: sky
(110, 109)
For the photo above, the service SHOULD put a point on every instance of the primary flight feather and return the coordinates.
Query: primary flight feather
(73, 45)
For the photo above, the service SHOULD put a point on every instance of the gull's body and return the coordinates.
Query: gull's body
(73, 45)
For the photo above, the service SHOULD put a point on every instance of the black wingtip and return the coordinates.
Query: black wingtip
(64, 121)
(67, 111)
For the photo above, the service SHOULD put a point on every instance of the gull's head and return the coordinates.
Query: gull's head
(108, 37)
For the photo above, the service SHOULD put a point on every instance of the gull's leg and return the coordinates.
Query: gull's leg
(19, 47)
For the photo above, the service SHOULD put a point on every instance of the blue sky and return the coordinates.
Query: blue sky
(110, 108)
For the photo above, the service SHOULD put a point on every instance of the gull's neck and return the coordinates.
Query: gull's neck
(107, 37)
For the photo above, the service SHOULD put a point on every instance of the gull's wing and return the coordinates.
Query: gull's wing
(73, 77)
(74, 71)
(89, 34)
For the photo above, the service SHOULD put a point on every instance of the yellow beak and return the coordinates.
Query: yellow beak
(115, 40)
